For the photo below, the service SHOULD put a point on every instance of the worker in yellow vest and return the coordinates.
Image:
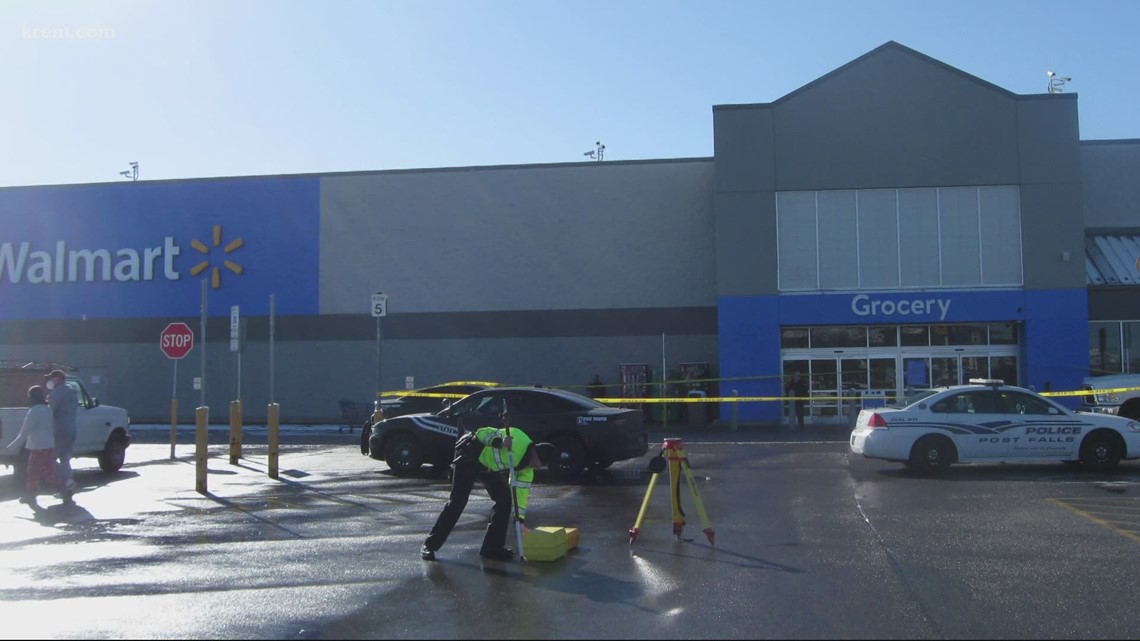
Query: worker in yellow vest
(484, 455)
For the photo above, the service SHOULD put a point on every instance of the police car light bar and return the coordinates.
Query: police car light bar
(987, 381)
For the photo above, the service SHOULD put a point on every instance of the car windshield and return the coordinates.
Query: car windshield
(914, 397)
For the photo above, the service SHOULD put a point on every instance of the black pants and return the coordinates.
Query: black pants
(462, 482)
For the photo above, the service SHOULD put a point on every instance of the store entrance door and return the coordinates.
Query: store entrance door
(842, 384)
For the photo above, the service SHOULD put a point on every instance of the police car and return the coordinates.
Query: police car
(989, 421)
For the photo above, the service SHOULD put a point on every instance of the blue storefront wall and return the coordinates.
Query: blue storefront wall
(1054, 341)
(133, 250)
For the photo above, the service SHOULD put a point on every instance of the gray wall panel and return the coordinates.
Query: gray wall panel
(919, 253)
(838, 240)
(798, 240)
(1051, 225)
(894, 119)
(742, 143)
(1111, 176)
(745, 243)
(1000, 210)
(959, 225)
(592, 235)
(878, 239)
(1049, 143)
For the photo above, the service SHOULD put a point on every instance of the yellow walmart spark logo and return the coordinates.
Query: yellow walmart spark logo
(216, 274)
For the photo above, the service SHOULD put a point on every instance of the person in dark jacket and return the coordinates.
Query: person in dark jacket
(483, 455)
(798, 389)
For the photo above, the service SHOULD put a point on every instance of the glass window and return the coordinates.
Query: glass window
(944, 371)
(1132, 346)
(1022, 403)
(940, 335)
(956, 404)
(916, 373)
(886, 336)
(1003, 333)
(914, 335)
(968, 334)
(1004, 368)
(823, 337)
(987, 402)
(975, 367)
(883, 374)
(1104, 349)
(824, 375)
(916, 397)
(793, 337)
(855, 375)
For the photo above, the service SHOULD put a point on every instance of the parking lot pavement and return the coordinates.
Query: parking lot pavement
(810, 543)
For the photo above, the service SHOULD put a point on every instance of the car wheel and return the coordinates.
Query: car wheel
(572, 454)
(365, 432)
(931, 453)
(403, 454)
(1101, 451)
(113, 456)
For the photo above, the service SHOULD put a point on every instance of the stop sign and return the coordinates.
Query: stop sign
(176, 340)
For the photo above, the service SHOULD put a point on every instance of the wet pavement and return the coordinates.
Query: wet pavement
(809, 543)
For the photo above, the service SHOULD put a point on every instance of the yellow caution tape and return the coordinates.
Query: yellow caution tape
(723, 399)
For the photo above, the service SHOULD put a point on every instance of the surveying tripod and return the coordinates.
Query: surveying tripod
(677, 462)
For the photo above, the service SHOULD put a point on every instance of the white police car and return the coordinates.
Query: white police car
(988, 421)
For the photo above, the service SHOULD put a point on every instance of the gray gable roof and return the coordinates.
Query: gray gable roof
(887, 48)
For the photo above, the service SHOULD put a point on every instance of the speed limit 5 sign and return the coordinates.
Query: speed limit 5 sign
(379, 305)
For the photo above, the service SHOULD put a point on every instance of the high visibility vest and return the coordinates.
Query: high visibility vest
(495, 459)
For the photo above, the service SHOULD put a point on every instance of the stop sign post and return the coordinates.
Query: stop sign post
(176, 340)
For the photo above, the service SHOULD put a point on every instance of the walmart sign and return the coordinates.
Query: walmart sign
(144, 249)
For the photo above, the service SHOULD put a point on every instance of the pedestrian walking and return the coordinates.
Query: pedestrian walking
(484, 455)
(37, 436)
(64, 402)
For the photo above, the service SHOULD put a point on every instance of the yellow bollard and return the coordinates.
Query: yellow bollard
(201, 451)
(235, 431)
(173, 425)
(274, 432)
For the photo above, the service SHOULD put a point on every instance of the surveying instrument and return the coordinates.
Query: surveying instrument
(677, 463)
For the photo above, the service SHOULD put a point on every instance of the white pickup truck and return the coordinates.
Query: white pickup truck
(102, 431)
(1113, 394)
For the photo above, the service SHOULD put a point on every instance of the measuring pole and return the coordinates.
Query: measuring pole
(202, 418)
(514, 482)
(664, 406)
(273, 427)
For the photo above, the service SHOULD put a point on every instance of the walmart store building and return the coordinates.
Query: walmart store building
(896, 223)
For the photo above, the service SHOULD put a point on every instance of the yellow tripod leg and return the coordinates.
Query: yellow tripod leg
(633, 532)
(675, 490)
(697, 499)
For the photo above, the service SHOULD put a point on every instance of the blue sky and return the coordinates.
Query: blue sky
(254, 87)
